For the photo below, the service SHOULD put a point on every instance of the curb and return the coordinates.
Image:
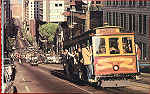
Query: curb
(145, 74)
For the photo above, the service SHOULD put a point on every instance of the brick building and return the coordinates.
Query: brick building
(82, 16)
(133, 16)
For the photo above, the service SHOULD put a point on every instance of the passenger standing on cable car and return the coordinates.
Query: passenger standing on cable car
(68, 64)
(87, 53)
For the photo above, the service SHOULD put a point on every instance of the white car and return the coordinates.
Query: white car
(34, 61)
(9, 67)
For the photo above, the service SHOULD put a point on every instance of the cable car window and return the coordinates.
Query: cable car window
(127, 45)
(100, 46)
(113, 46)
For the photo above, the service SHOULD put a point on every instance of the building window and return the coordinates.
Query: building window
(144, 51)
(121, 17)
(117, 2)
(130, 3)
(121, 2)
(145, 3)
(130, 22)
(124, 21)
(113, 2)
(107, 16)
(117, 21)
(140, 2)
(92, 2)
(144, 24)
(134, 22)
(140, 23)
(114, 20)
(98, 2)
(124, 2)
(110, 18)
(143, 47)
(56, 5)
(133, 3)
(109, 2)
(60, 5)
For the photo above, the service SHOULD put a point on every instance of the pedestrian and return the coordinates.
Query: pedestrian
(138, 55)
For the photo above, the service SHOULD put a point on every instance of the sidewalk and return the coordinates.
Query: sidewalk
(145, 74)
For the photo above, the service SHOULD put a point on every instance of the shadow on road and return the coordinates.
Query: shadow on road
(13, 74)
(15, 89)
(60, 74)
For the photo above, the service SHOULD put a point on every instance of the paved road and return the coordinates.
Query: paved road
(50, 78)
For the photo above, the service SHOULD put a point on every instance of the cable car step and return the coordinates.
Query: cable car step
(117, 83)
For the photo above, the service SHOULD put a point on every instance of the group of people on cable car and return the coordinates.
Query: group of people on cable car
(78, 63)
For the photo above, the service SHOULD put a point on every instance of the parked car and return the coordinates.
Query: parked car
(8, 86)
(9, 67)
(48, 59)
(34, 61)
(52, 59)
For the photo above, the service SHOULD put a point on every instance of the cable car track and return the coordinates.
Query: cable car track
(108, 90)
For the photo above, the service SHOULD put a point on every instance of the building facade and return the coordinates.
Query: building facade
(53, 10)
(34, 9)
(132, 16)
(25, 14)
(16, 8)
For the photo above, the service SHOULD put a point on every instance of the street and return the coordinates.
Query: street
(49, 78)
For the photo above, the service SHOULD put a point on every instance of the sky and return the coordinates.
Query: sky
(19, 1)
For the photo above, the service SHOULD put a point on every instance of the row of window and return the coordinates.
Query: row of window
(35, 16)
(97, 2)
(129, 2)
(144, 48)
(114, 48)
(58, 5)
(35, 5)
(128, 21)
(34, 2)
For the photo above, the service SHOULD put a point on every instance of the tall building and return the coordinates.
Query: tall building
(31, 11)
(132, 16)
(34, 9)
(6, 24)
(16, 8)
(14, 1)
(53, 10)
(25, 14)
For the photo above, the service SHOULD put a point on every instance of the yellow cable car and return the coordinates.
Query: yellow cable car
(113, 55)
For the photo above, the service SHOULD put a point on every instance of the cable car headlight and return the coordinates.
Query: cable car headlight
(115, 67)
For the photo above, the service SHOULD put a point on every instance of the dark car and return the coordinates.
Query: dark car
(9, 66)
